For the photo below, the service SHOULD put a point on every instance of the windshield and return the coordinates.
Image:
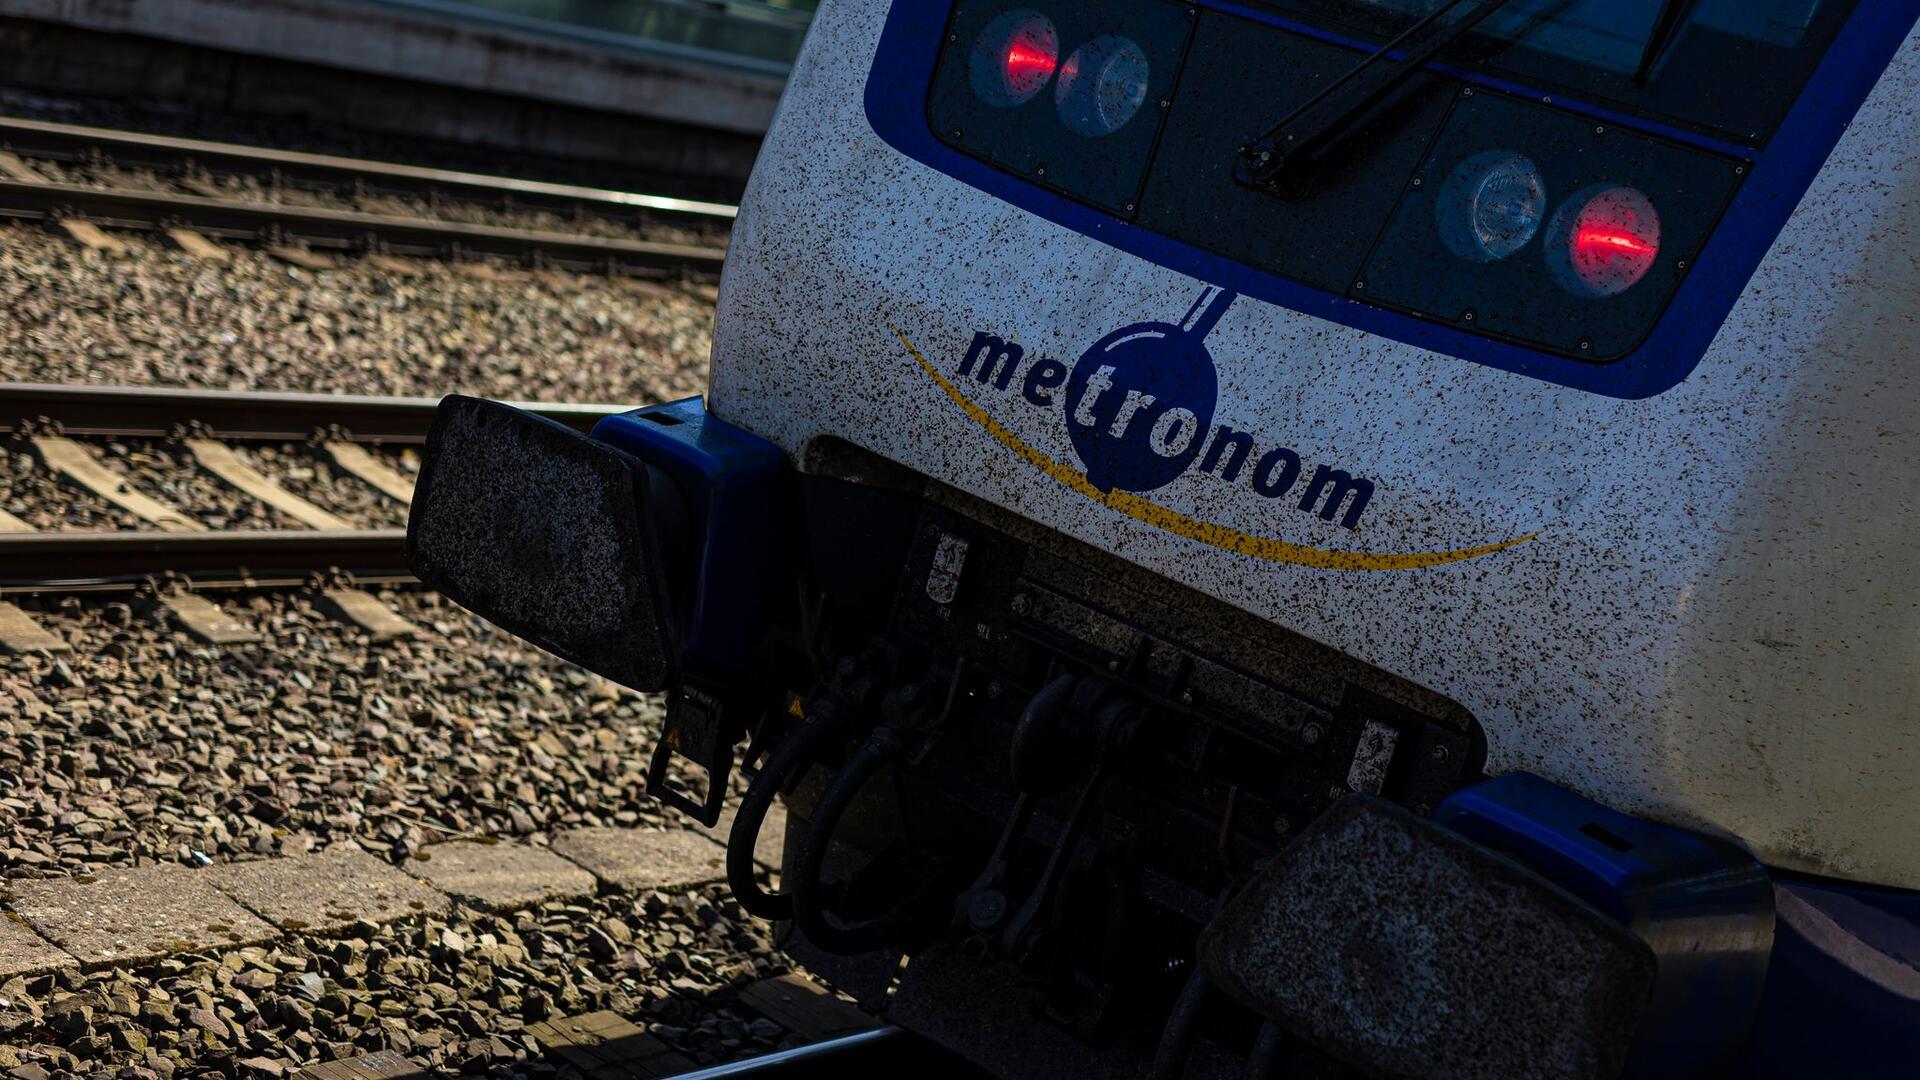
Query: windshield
(1732, 67)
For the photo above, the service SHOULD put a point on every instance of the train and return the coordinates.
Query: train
(1321, 538)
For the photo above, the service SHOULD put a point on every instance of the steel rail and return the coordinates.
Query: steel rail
(70, 142)
(351, 230)
(848, 1055)
(64, 562)
(161, 412)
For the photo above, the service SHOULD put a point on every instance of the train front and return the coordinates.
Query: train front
(1304, 537)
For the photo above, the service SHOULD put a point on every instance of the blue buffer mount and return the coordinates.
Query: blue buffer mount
(1703, 904)
(729, 480)
(1760, 975)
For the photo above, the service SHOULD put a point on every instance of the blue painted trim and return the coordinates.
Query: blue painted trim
(909, 48)
(729, 477)
(1828, 1011)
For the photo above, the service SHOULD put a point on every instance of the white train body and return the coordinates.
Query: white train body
(1698, 605)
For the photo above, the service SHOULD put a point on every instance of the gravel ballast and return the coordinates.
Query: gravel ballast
(454, 993)
(32, 493)
(156, 316)
(141, 747)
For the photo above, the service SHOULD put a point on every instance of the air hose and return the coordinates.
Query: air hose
(792, 756)
(809, 913)
(1176, 1041)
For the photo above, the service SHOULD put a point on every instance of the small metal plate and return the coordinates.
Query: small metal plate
(605, 1047)
(806, 1008)
(385, 1065)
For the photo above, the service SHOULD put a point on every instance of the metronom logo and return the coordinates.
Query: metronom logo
(1139, 411)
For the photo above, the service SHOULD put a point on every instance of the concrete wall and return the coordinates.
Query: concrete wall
(443, 51)
(652, 121)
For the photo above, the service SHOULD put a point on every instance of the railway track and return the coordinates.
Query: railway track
(324, 172)
(190, 200)
(174, 548)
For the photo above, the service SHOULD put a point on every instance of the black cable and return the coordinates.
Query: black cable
(1176, 1039)
(793, 754)
(805, 885)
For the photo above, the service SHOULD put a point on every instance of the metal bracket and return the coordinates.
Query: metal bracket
(696, 728)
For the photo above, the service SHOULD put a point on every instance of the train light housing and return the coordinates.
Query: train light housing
(1603, 241)
(1102, 85)
(1014, 58)
(1491, 205)
(1066, 94)
(1473, 245)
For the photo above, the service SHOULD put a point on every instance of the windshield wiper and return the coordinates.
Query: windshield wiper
(1336, 108)
(1673, 13)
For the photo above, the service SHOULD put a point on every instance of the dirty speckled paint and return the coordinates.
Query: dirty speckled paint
(1717, 623)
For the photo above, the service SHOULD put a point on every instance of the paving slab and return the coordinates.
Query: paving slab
(327, 891)
(502, 876)
(133, 916)
(23, 952)
(383, 1065)
(605, 1046)
(636, 860)
(806, 1008)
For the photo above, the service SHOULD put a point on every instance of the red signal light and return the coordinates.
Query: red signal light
(1603, 241)
(1014, 58)
(1027, 64)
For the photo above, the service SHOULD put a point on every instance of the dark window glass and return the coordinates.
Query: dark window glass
(1239, 70)
(1542, 227)
(1067, 93)
(1733, 67)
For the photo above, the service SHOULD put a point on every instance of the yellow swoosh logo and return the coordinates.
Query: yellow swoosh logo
(1179, 524)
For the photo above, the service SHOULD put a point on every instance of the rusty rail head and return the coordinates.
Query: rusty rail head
(39, 138)
(350, 229)
(59, 562)
(161, 412)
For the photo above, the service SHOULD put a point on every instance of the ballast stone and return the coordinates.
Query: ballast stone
(1409, 951)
